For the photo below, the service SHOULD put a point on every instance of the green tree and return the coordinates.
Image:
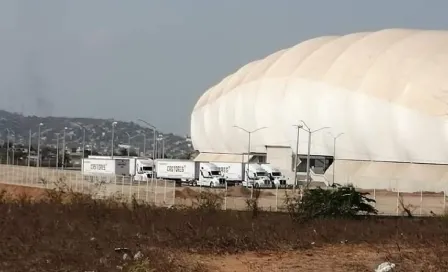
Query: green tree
(337, 202)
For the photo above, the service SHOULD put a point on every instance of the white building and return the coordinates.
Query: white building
(387, 91)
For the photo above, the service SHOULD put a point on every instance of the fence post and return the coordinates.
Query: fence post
(421, 202)
(147, 189)
(174, 193)
(398, 200)
(225, 198)
(374, 196)
(122, 187)
(138, 188)
(164, 193)
(444, 202)
(155, 193)
(131, 181)
(276, 198)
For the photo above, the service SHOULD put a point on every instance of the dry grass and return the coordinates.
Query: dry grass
(64, 231)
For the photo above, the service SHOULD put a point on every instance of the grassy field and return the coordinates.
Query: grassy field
(53, 231)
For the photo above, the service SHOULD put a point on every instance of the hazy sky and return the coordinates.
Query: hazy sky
(153, 59)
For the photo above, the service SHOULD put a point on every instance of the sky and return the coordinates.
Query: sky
(153, 59)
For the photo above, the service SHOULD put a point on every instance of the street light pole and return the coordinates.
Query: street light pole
(29, 147)
(308, 157)
(144, 144)
(154, 132)
(296, 159)
(129, 142)
(63, 149)
(7, 146)
(38, 146)
(113, 128)
(334, 152)
(248, 153)
(57, 150)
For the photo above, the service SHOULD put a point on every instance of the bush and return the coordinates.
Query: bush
(340, 202)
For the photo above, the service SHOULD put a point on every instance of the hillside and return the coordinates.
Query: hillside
(98, 134)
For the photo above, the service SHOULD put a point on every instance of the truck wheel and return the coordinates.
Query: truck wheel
(211, 185)
(257, 185)
(194, 183)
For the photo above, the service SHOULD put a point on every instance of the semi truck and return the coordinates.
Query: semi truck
(232, 171)
(256, 176)
(275, 175)
(140, 168)
(190, 172)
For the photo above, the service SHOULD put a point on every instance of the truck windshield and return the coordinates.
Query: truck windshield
(216, 173)
(261, 174)
(276, 174)
(147, 168)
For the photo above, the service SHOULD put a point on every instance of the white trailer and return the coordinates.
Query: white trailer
(177, 170)
(275, 175)
(232, 171)
(256, 176)
(104, 170)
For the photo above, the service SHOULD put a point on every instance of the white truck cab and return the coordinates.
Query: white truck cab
(275, 175)
(144, 169)
(210, 175)
(256, 176)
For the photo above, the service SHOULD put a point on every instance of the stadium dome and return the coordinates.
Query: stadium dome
(385, 90)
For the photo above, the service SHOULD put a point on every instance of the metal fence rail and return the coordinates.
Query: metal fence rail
(165, 193)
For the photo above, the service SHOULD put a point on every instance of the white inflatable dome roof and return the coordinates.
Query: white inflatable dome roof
(387, 91)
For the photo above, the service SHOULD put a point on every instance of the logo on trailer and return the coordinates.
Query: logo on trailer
(100, 167)
(176, 168)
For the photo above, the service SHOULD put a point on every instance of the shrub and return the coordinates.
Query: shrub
(252, 203)
(209, 201)
(339, 202)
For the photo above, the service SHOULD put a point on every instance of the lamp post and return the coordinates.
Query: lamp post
(38, 145)
(83, 139)
(7, 146)
(249, 133)
(154, 132)
(296, 159)
(144, 144)
(310, 132)
(57, 150)
(334, 151)
(129, 142)
(112, 144)
(63, 149)
(29, 147)
(162, 147)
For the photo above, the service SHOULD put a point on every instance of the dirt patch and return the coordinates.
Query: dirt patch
(327, 258)
(187, 193)
(241, 191)
(17, 191)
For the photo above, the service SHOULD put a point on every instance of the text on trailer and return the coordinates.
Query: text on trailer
(98, 167)
(175, 168)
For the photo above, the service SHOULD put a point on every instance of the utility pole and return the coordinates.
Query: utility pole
(308, 157)
(296, 159)
(248, 154)
(154, 132)
(29, 147)
(112, 144)
(334, 153)
(57, 150)
(38, 146)
(63, 149)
